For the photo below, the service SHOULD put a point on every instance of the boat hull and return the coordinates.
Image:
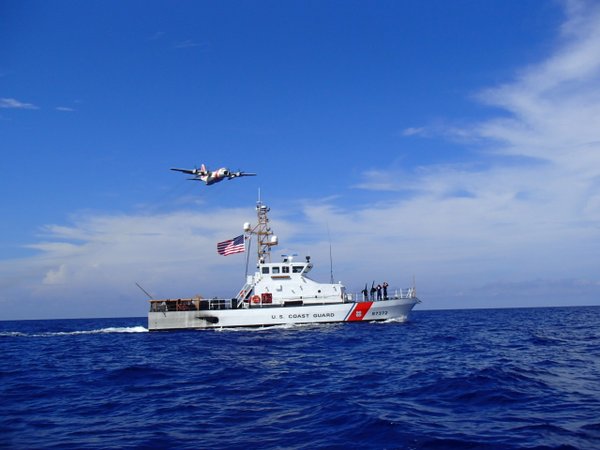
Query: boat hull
(395, 309)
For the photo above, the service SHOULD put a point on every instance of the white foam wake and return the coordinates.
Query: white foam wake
(137, 329)
(269, 328)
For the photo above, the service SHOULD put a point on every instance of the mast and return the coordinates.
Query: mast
(264, 235)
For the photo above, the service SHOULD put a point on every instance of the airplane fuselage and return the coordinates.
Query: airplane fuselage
(215, 176)
(209, 179)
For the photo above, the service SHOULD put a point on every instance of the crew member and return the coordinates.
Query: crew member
(365, 293)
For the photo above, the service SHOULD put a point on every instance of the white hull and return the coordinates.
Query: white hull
(397, 309)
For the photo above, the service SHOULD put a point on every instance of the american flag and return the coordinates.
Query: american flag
(230, 246)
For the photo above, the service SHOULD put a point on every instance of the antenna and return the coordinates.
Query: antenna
(414, 288)
(265, 239)
(144, 291)
(330, 256)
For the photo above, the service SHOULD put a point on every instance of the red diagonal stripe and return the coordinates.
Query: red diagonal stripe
(359, 312)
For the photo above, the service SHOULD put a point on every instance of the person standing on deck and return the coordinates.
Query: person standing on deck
(378, 292)
(385, 286)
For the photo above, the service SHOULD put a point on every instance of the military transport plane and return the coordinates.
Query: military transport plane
(213, 176)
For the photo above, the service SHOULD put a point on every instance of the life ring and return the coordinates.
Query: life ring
(255, 299)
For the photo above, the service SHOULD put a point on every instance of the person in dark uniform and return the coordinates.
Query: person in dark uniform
(385, 286)
(365, 293)
(373, 290)
(378, 292)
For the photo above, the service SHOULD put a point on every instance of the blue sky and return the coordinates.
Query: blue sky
(456, 142)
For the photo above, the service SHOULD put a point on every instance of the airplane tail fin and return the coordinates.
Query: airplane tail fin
(203, 168)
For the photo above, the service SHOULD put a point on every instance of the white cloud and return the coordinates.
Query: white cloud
(531, 211)
(57, 276)
(414, 131)
(96, 260)
(11, 103)
(383, 180)
(523, 228)
(453, 245)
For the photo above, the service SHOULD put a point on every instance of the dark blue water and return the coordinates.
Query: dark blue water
(477, 379)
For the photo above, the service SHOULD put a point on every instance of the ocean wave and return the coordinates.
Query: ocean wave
(12, 334)
(136, 374)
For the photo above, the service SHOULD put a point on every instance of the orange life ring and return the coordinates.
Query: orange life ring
(255, 299)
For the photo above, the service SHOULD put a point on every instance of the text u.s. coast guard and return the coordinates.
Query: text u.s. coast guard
(303, 316)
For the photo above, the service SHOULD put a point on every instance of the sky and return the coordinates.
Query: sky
(456, 144)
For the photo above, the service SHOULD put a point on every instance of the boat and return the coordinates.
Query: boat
(279, 293)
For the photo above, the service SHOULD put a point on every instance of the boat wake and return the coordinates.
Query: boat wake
(137, 329)
(283, 326)
(394, 320)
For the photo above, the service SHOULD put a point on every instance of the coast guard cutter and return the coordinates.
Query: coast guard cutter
(278, 293)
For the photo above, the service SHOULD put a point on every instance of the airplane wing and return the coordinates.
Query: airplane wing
(188, 171)
(241, 174)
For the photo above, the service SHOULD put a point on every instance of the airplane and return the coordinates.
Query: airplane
(213, 176)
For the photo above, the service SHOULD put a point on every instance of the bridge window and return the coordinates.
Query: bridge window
(275, 270)
(285, 269)
(297, 269)
(265, 270)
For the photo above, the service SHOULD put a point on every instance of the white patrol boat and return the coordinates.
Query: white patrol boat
(278, 293)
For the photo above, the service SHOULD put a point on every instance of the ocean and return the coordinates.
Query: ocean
(477, 379)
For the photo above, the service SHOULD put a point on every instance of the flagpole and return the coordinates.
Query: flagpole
(247, 257)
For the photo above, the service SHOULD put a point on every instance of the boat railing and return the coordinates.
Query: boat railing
(244, 294)
(396, 294)
(203, 304)
(192, 304)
